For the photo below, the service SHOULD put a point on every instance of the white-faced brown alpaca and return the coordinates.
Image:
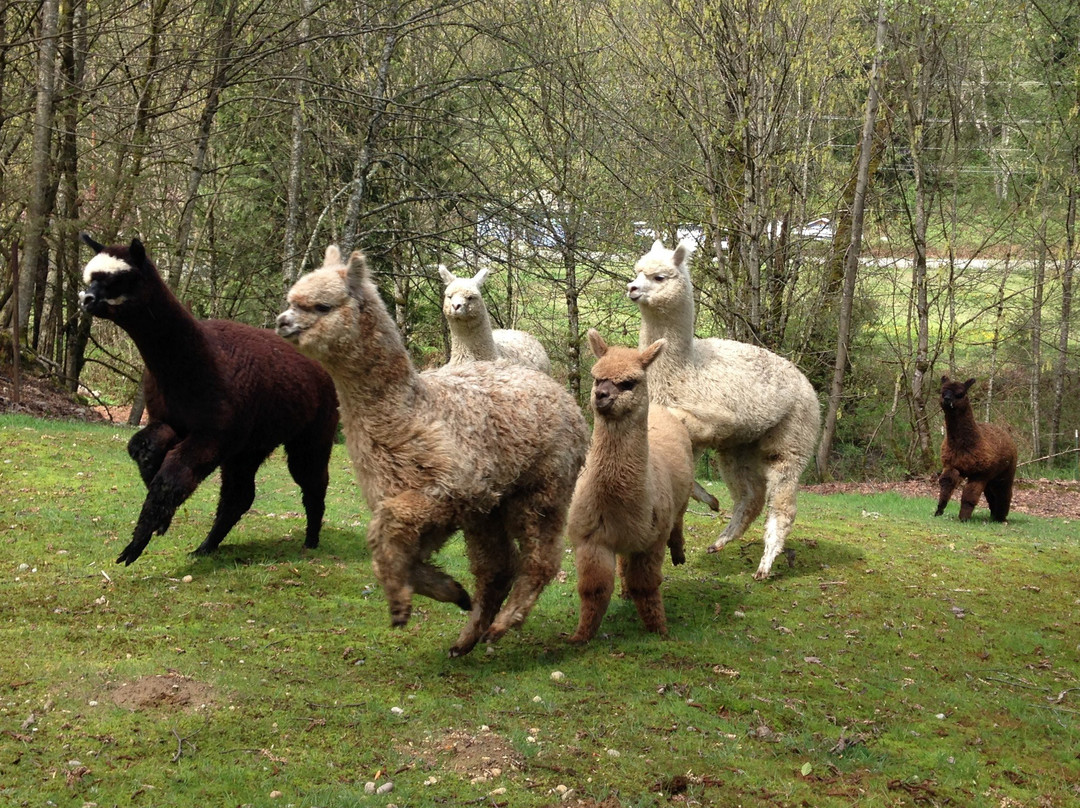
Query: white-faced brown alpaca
(491, 448)
(631, 496)
(754, 408)
(983, 453)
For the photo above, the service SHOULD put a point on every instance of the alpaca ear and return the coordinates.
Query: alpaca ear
(357, 274)
(657, 245)
(945, 379)
(682, 252)
(596, 342)
(648, 356)
(89, 242)
(447, 276)
(137, 252)
(968, 384)
(333, 256)
(481, 276)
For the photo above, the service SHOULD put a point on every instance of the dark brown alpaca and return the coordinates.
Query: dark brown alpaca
(218, 394)
(983, 453)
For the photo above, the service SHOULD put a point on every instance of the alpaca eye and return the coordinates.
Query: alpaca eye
(659, 278)
(627, 385)
(322, 308)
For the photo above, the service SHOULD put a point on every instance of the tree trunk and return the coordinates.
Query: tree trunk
(291, 261)
(1061, 365)
(851, 260)
(40, 164)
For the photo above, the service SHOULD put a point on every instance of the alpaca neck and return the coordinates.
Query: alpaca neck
(677, 327)
(960, 428)
(169, 338)
(619, 464)
(472, 339)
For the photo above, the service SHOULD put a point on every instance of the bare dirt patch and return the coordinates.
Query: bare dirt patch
(169, 690)
(478, 756)
(1058, 499)
(42, 398)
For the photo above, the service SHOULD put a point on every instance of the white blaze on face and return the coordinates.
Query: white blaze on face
(105, 264)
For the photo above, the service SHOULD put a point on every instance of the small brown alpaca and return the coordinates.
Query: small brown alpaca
(632, 493)
(983, 453)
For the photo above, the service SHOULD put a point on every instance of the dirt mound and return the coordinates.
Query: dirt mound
(42, 398)
(170, 690)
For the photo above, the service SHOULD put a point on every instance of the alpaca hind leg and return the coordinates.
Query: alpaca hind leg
(676, 542)
(237, 494)
(783, 490)
(308, 464)
(947, 482)
(745, 479)
(999, 497)
(969, 497)
(185, 466)
(540, 531)
(699, 493)
(149, 446)
(494, 563)
(643, 578)
(596, 581)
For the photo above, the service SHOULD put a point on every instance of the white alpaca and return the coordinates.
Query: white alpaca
(632, 493)
(756, 409)
(471, 336)
(486, 447)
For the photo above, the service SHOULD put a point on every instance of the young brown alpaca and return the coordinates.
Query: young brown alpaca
(983, 453)
(631, 495)
(490, 448)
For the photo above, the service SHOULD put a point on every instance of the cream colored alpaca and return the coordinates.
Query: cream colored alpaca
(631, 495)
(756, 409)
(471, 336)
(489, 448)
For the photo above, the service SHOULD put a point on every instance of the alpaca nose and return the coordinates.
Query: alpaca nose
(86, 299)
(633, 291)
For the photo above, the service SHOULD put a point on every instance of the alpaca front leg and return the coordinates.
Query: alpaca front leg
(643, 579)
(676, 542)
(969, 498)
(393, 536)
(596, 581)
(782, 508)
(235, 498)
(149, 446)
(185, 466)
(432, 582)
(493, 561)
(947, 483)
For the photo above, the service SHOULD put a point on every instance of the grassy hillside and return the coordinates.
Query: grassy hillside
(900, 660)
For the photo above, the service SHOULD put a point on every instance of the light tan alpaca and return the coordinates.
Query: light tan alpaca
(632, 493)
(490, 448)
(472, 338)
(754, 408)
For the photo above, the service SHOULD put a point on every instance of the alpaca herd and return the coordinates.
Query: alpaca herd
(489, 444)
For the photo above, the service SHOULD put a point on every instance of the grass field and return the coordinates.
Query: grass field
(901, 660)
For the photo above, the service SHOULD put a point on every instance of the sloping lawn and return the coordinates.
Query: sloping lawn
(900, 660)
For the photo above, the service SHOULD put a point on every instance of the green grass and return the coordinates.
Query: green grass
(901, 660)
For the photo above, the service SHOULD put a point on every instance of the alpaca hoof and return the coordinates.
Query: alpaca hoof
(678, 558)
(578, 638)
(712, 548)
(762, 575)
(130, 553)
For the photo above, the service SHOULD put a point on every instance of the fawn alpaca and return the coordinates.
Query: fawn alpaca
(983, 453)
(631, 496)
(487, 447)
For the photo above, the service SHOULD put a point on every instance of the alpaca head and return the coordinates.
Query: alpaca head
(461, 297)
(118, 279)
(662, 280)
(325, 306)
(620, 387)
(954, 394)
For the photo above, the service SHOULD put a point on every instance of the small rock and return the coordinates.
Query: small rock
(187, 579)
(385, 788)
(738, 614)
(557, 676)
(273, 794)
(396, 710)
(369, 787)
(498, 792)
(568, 795)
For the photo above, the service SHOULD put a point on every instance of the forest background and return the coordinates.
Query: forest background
(883, 192)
